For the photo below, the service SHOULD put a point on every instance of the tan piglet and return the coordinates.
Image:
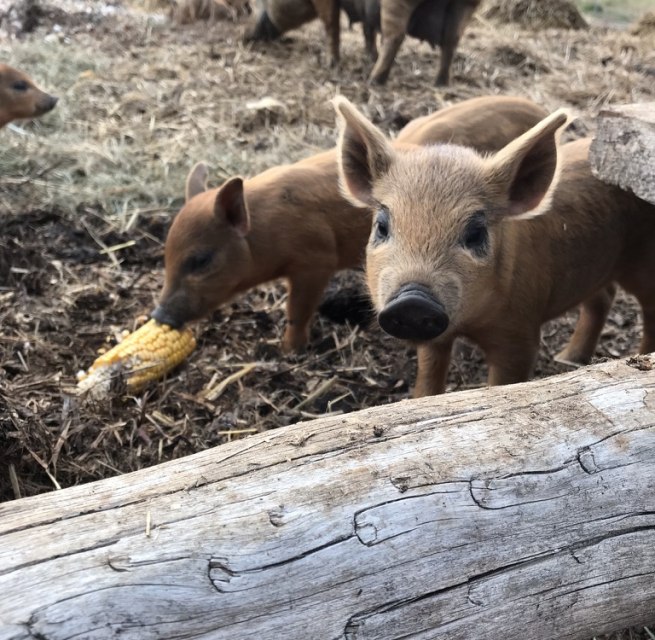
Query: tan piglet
(490, 247)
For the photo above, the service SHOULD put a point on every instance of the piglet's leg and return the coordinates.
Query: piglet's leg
(433, 362)
(512, 359)
(370, 36)
(639, 281)
(390, 46)
(394, 18)
(305, 292)
(458, 16)
(593, 313)
(648, 338)
(328, 12)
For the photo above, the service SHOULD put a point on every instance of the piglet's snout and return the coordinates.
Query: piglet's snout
(47, 103)
(50, 103)
(413, 313)
(164, 316)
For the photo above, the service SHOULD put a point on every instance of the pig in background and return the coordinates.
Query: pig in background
(275, 17)
(20, 98)
(438, 22)
(292, 221)
(489, 248)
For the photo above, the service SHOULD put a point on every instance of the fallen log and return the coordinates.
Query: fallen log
(623, 150)
(521, 512)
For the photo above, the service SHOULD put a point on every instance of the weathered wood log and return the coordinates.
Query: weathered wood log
(517, 512)
(623, 151)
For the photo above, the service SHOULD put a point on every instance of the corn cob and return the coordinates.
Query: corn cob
(142, 357)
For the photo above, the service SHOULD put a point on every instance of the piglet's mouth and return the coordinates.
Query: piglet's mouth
(163, 316)
(413, 313)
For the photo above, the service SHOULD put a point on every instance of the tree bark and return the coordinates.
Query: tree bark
(623, 151)
(521, 512)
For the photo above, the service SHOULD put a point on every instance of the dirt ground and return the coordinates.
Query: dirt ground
(87, 194)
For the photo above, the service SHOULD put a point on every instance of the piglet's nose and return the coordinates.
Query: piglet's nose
(163, 316)
(47, 103)
(413, 314)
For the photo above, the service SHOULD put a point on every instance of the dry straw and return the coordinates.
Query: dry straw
(536, 14)
(187, 11)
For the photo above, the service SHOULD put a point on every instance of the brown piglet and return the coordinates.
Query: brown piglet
(274, 17)
(438, 22)
(490, 247)
(292, 221)
(20, 97)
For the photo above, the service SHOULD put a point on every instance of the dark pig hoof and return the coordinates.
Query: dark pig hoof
(379, 79)
(413, 314)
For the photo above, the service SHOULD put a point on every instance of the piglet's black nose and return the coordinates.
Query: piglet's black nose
(161, 315)
(413, 314)
(46, 104)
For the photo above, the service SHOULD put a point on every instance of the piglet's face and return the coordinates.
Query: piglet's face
(426, 251)
(20, 97)
(435, 255)
(206, 255)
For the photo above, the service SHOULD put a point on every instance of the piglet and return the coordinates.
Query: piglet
(292, 221)
(20, 97)
(274, 17)
(438, 22)
(490, 247)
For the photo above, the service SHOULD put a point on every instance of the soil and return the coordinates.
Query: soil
(63, 295)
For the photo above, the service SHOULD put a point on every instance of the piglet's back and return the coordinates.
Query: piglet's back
(589, 232)
(469, 121)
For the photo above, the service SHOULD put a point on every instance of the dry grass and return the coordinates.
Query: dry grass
(536, 14)
(124, 134)
(141, 101)
(188, 11)
(614, 12)
(645, 26)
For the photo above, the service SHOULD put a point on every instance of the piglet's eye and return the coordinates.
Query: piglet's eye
(476, 234)
(198, 261)
(381, 225)
(19, 85)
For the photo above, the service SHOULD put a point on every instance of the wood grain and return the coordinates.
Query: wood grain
(523, 512)
(623, 151)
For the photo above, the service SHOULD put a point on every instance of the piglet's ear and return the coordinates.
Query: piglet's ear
(364, 154)
(196, 181)
(230, 206)
(526, 170)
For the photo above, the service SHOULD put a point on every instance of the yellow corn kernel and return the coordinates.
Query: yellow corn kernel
(142, 357)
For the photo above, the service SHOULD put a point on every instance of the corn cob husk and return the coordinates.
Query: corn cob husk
(144, 356)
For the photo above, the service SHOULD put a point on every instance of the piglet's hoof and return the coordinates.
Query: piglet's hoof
(563, 358)
(294, 343)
